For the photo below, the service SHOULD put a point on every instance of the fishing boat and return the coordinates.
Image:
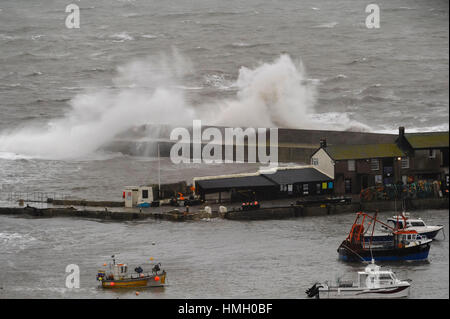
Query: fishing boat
(118, 276)
(404, 221)
(405, 244)
(371, 283)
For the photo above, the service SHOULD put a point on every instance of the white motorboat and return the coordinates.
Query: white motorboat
(371, 283)
(404, 221)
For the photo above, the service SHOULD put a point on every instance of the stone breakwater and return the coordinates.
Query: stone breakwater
(91, 203)
(333, 209)
(173, 215)
(264, 213)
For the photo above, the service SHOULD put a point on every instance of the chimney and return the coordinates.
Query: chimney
(401, 131)
(323, 142)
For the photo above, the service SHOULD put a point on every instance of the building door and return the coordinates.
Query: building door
(388, 171)
(348, 185)
(364, 181)
(305, 189)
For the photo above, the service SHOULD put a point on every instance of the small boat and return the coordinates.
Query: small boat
(404, 245)
(404, 221)
(118, 276)
(371, 283)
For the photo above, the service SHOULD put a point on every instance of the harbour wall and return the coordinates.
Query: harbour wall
(82, 202)
(172, 215)
(410, 204)
(294, 145)
(278, 212)
(333, 209)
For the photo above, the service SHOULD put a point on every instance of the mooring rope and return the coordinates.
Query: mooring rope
(355, 253)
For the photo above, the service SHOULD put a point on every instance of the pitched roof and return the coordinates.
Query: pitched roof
(235, 182)
(299, 175)
(282, 176)
(363, 151)
(428, 140)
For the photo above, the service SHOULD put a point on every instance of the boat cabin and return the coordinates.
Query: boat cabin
(373, 277)
(405, 237)
(117, 272)
(409, 223)
(120, 271)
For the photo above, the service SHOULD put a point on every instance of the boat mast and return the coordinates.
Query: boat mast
(159, 174)
(371, 236)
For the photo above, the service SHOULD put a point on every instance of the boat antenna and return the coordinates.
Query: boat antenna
(371, 236)
(159, 174)
(395, 204)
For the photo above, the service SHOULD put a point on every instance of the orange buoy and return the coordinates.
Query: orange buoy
(156, 278)
(104, 264)
(137, 293)
(112, 284)
(151, 258)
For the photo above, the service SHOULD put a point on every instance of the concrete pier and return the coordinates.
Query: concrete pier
(281, 210)
(119, 215)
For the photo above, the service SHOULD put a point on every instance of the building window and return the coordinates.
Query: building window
(378, 179)
(404, 179)
(330, 185)
(305, 189)
(351, 165)
(324, 185)
(374, 164)
(315, 161)
(145, 193)
(432, 154)
(348, 186)
(405, 162)
(318, 188)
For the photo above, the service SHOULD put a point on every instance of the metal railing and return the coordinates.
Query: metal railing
(34, 197)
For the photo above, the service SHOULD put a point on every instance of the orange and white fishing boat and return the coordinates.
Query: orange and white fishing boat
(118, 276)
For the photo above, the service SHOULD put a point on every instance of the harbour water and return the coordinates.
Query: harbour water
(66, 94)
(206, 259)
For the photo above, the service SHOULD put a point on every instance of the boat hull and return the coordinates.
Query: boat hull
(135, 282)
(360, 293)
(350, 253)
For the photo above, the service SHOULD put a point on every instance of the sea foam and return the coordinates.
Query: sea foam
(150, 91)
